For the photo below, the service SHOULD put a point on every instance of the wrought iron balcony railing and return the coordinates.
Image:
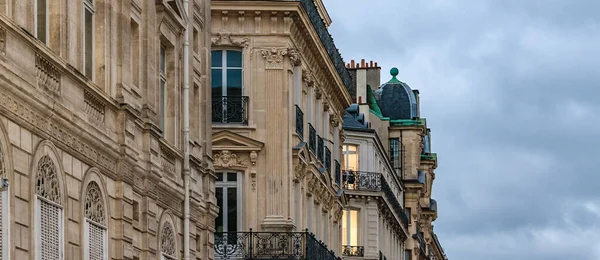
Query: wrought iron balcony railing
(353, 250)
(328, 160)
(421, 240)
(338, 173)
(373, 181)
(230, 109)
(299, 122)
(270, 245)
(312, 138)
(327, 40)
(320, 146)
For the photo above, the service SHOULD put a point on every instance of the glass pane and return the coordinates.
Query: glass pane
(231, 209)
(216, 58)
(41, 20)
(354, 228)
(219, 220)
(231, 176)
(352, 148)
(163, 60)
(345, 228)
(234, 82)
(217, 82)
(234, 59)
(352, 162)
(219, 176)
(88, 43)
(163, 103)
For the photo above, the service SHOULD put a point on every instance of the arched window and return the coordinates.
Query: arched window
(167, 242)
(4, 209)
(95, 224)
(48, 211)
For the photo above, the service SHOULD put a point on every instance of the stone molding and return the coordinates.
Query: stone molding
(228, 159)
(226, 39)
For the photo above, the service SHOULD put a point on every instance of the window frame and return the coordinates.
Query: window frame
(162, 85)
(348, 223)
(224, 67)
(35, 21)
(224, 184)
(5, 200)
(88, 5)
(346, 153)
(86, 240)
(38, 228)
(395, 153)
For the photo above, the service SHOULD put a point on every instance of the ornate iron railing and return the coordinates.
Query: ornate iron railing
(230, 109)
(299, 122)
(320, 146)
(338, 173)
(367, 181)
(327, 40)
(312, 138)
(382, 257)
(353, 250)
(373, 181)
(328, 159)
(270, 245)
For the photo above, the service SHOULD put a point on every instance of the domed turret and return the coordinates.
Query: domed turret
(395, 99)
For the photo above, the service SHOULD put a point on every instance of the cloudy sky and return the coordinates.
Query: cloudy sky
(511, 90)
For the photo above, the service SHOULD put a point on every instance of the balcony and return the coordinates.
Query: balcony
(299, 122)
(270, 245)
(230, 110)
(372, 181)
(312, 138)
(338, 173)
(327, 160)
(421, 240)
(353, 251)
(327, 40)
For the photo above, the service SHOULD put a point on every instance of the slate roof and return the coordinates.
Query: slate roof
(396, 99)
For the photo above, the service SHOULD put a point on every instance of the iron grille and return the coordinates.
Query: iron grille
(230, 109)
(328, 159)
(353, 251)
(338, 173)
(299, 122)
(320, 146)
(312, 138)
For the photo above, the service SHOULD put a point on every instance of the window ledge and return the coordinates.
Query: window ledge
(232, 126)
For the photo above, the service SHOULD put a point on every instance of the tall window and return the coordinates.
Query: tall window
(41, 20)
(95, 224)
(395, 153)
(48, 211)
(350, 157)
(4, 211)
(88, 38)
(167, 242)
(163, 88)
(227, 200)
(350, 228)
(407, 255)
(228, 102)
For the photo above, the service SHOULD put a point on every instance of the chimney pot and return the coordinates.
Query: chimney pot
(352, 64)
(362, 63)
(371, 64)
(376, 65)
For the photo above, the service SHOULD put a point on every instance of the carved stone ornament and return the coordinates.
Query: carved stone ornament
(94, 208)
(226, 159)
(294, 56)
(299, 171)
(311, 183)
(334, 121)
(167, 240)
(2, 40)
(2, 164)
(275, 56)
(46, 182)
(308, 78)
(253, 157)
(225, 39)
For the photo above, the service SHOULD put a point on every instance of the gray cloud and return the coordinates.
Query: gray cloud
(510, 90)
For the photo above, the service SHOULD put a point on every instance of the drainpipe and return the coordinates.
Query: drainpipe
(186, 133)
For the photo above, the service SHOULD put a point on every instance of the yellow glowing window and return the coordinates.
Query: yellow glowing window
(350, 157)
(350, 228)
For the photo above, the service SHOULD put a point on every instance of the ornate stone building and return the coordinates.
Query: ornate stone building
(92, 140)
(279, 93)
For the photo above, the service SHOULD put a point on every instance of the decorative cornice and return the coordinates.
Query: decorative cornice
(226, 39)
(275, 56)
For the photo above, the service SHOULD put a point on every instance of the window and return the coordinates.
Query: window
(88, 38)
(95, 224)
(4, 211)
(407, 255)
(41, 20)
(135, 53)
(226, 86)
(350, 228)
(395, 153)
(227, 200)
(167, 242)
(350, 157)
(48, 211)
(408, 214)
(163, 88)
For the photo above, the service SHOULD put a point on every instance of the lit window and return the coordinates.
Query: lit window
(48, 211)
(41, 20)
(227, 200)
(350, 228)
(350, 157)
(88, 38)
(163, 89)
(95, 224)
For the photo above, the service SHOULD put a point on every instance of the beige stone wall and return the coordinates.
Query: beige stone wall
(105, 128)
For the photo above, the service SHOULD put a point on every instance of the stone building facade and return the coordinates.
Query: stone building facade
(279, 93)
(91, 143)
